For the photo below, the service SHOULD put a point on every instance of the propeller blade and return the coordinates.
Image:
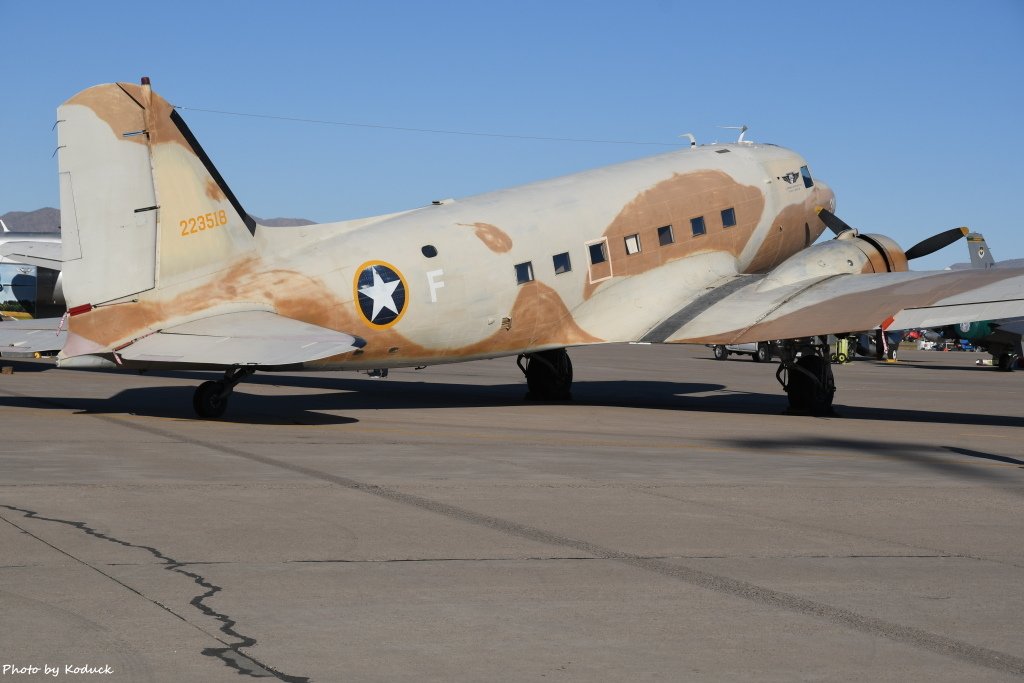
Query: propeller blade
(832, 221)
(935, 242)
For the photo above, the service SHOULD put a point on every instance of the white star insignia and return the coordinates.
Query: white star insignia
(382, 294)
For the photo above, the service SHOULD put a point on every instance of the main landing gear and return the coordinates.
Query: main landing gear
(807, 377)
(1007, 362)
(548, 375)
(211, 398)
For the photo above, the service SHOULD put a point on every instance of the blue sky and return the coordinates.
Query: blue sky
(910, 110)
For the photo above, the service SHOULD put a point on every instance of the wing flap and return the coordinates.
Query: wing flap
(850, 303)
(241, 338)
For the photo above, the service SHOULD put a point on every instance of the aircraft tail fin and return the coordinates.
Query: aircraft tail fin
(142, 205)
(981, 257)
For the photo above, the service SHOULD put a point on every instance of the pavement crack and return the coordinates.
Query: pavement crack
(231, 654)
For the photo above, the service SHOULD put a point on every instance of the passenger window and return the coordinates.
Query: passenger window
(697, 226)
(805, 172)
(665, 236)
(728, 218)
(562, 263)
(524, 272)
(633, 244)
(598, 254)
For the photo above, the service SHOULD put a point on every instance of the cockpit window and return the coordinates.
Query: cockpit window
(806, 174)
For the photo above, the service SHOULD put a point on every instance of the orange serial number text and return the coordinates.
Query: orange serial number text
(208, 221)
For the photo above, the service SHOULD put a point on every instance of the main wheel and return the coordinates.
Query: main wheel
(1007, 361)
(209, 400)
(763, 354)
(720, 352)
(811, 393)
(549, 376)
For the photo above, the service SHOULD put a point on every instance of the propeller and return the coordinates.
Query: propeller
(935, 242)
(925, 247)
(832, 221)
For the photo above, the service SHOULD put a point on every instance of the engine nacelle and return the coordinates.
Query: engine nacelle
(848, 253)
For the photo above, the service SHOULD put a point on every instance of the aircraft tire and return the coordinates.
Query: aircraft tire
(807, 395)
(719, 352)
(841, 358)
(208, 400)
(549, 376)
(1007, 362)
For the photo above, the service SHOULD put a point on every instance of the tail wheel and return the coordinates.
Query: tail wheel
(210, 399)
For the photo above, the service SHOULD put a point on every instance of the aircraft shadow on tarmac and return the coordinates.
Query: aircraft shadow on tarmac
(343, 393)
(936, 458)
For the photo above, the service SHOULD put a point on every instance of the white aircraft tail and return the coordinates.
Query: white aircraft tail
(142, 206)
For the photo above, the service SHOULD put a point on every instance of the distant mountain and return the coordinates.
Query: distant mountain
(40, 220)
(48, 220)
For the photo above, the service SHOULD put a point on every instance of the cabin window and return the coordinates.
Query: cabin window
(562, 263)
(429, 250)
(598, 253)
(524, 272)
(633, 244)
(728, 218)
(806, 174)
(697, 226)
(665, 236)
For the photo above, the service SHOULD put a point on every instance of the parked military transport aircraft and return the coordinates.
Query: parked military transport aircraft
(710, 244)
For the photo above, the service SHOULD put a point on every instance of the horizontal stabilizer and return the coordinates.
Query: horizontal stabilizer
(26, 337)
(42, 254)
(244, 338)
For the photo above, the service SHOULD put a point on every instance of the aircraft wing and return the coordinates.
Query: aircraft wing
(44, 254)
(27, 337)
(241, 338)
(751, 308)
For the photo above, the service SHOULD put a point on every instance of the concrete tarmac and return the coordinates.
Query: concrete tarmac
(670, 523)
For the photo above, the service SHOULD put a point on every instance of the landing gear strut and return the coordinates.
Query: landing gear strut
(807, 379)
(211, 397)
(548, 375)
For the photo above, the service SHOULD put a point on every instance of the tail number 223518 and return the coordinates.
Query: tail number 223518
(207, 221)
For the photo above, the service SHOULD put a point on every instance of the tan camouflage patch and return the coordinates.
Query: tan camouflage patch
(674, 202)
(494, 237)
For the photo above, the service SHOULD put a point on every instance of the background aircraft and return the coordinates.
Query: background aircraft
(1001, 338)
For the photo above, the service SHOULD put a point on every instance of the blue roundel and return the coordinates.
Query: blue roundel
(380, 293)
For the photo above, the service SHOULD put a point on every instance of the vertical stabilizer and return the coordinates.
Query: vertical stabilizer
(142, 206)
(981, 257)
